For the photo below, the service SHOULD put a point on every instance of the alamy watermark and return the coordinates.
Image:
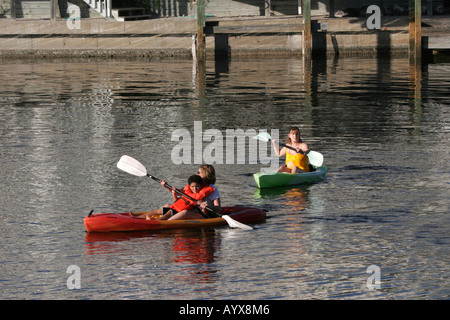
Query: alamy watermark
(74, 19)
(374, 280)
(374, 21)
(233, 146)
(74, 280)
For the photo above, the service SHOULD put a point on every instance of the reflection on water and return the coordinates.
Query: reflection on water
(196, 249)
(296, 198)
(382, 127)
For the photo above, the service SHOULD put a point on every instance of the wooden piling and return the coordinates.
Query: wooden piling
(13, 9)
(415, 31)
(200, 51)
(53, 9)
(307, 49)
(307, 38)
(201, 20)
(415, 56)
(267, 8)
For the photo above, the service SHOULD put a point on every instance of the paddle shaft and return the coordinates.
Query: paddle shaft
(182, 194)
(301, 151)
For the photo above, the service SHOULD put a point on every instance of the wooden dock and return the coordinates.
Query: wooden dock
(436, 40)
(259, 35)
(255, 25)
(436, 32)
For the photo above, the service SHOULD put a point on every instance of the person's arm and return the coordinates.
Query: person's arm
(164, 184)
(304, 148)
(174, 195)
(215, 207)
(204, 192)
(201, 202)
(277, 150)
(216, 204)
(202, 206)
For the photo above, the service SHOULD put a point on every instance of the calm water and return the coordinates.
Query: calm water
(385, 138)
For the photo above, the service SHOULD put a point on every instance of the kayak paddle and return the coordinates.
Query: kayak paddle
(315, 158)
(134, 167)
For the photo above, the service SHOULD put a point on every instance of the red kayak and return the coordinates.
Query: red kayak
(107, 222)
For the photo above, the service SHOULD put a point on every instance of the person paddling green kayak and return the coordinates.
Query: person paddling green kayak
(302, 164)
(295, 151)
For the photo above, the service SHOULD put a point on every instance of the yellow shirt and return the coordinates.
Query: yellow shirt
(298, 160)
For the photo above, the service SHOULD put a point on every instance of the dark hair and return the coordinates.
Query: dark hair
(195, 178)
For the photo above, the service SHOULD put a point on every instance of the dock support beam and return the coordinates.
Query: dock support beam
(13, 9)
(307, 50)
(415, 31)
(415, 56)
(267, 9)
(53, 8)
(201, 21)
(307, 38)
(199, 52)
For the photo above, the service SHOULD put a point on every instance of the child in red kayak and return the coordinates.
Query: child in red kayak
(180, 209)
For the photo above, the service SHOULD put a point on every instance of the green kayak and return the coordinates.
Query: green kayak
(279, 179)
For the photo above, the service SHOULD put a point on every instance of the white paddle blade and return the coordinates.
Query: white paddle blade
(131, 166)
(315, 158)
(235, 224)
(263, 136)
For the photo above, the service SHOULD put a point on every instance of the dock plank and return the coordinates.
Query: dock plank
(437, 42)
(255, 29)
